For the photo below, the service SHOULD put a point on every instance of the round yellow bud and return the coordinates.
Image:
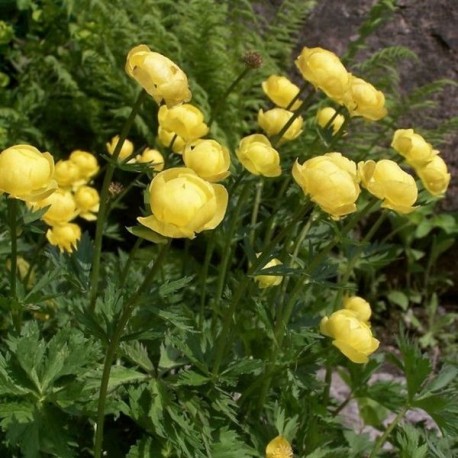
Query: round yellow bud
(266, 281)
(331, 181)
(352, 336)
(325, 71)
(65, 236)
(281, 91)
(62, 207)
(183, 204)
(388, 182)
(127, 148)
(413, 147)
(152, 157)
(359, 306)
(87, 201)
(325, 115)
(209, 159)
(171, 140)
(67, 174)
(257, 155)
(279, 448)
(86, 162)
(434, 176)
(273, 121)
(26, 173)
(158, 75)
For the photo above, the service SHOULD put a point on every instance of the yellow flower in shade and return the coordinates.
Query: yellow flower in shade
(413, 147)
(434, 175)
(388, 182)
(279, 448)
(170, 139)
(273, 121)
(359, 306)
(364, 100)
(266, 281)
(183, 204)
(158, 75)
(86, 162)
(281, 91)
(127, 148)
(87, 201)
(67, 174)
(26, 173)
(65, 236)
(257, 155)
(325, 115)
(352, 336)
(325, 71)
(331, 181)
(153, 157)
(209, 159)
(186, 120)
(62, 207)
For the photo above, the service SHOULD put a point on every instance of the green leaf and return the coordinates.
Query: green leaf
(191, 378)
(137, 354)
(147, 234)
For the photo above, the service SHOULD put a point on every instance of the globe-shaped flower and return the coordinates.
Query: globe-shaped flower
(87, 202)
(325, 115)
(266, 281)
(273, 121)
(435, 176)
(279, 447)
(62, 207)
(281, 91)
(416, 150)
(86, 162)
(158, 75)
(171, 140)
(331, 182)
(152, 157)
(127, 148)
(359, 306)
(64, 236)
(183, 204)
(26, 173)
(67, 174)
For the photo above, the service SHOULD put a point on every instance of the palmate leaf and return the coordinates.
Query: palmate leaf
(228, 444)
(409, 443)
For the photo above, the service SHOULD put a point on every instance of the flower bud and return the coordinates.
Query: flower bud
(413, 147)
(359, 306)
(434, 175)
(158, 75)
(62, 207)
(266, 281)
(325, 115)
(170, 139)
(273, 121)
(152, 157)
(67, 174)
(209, 159)
(331, 182)
(257, 155)
(183, 204)
(127, 148)
(26, 173)
(65, 236)
(279, 448)
(281, 91)
(388, 182)
(86, 162)
(87, 201)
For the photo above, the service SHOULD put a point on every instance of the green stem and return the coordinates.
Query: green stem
(203, 278)
(124, 273)
(16, 311)
(327, 385)
(254, 214)
(112, 348)
(104, 195)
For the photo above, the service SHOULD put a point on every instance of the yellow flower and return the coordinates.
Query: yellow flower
(388, 182)
(279, 448)
(325, 71)
(127, 148)
(364, 100)
(325, 115)
(183, 204)
(67, 174)
(87, 201)
(266, 281)
(65, 236)
(187, 121)
(281, 91)
(62, 207)
(86, 162)
(168, 138)
(413, 147)
(359, 306)
(352, 336)
(331, 182)
(26, 173)
(434, 175)
(257, 155)
(152, 157)
(272, 122)
(209, 159)
(158, 75)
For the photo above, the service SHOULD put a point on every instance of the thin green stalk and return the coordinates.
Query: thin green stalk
(254, 213)
(104, 201)
(327, 385)
(204, 274)
(125, 271)
(112, 348)
(16, 313)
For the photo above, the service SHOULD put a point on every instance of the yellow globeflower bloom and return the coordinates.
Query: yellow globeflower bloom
(364, 100)
(388, 182)
(158, 75)
(281, 91)
(65, 236)
(279, 448)
(209, 159)
(186, 120)
(352, 336)
(273, 121)
(62, 207)
(87, 201)
(183, 204)
(127, 148)
(86, 162)
(413, 147)
(257, 155)
(325, 115)
(325, 71)
(331, 181)
(359, 306)
(266, 281)
(67, 174)
(153, 157)
(26, 173)
(435, 176)
(167, 138)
